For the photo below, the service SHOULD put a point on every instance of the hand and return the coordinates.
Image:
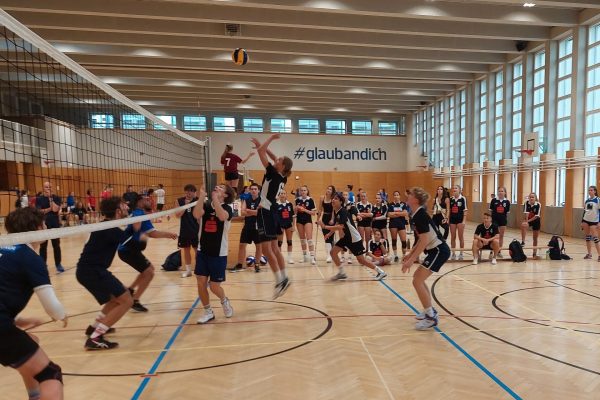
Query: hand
(358, 218)
(255, 142)
(172, 235)
(65, 321)
(407, 262)
(275, 136)
(217, 193)
(524, 224)
(201, 195)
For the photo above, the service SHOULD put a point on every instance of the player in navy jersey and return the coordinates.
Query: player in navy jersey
(531, 213)
(326, 216)
(486, 237)
(285, 213)
(188, 228)
(273, 183)
(49, 204)
(92, 273)
(305, 209)
(22, 273)
(364, 217)
(130, 250)
(500, 207)
(589, 222)
(350, 239)
(380, 210)
(352, 214)
(211, 260)
(397, 211)
(458, 215)
(249, 233)
(436, 250)
(378, 249)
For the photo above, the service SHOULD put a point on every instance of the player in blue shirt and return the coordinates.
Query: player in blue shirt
(92, 272)
(134, 242)
(22, 273)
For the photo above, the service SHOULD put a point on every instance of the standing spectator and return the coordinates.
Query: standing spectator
(351, 198)
(49, 205)
(70, 201)
(160, 198)
(107, 192)
(90, 203)
(130, 197)
(32, 199)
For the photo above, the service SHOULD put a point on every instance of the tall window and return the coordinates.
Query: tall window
(424, 129)
(105, 121)
(498, 113)
(463, 126)
(133, 121)
(416, 128)
(442, 132)
(402, 125)
(308, 126)
(563, 111)
(253, 125)
(592, 103)
(194, 123)
(362, 127)
(336, 127)
(281, 125)
(432, 134)
(169, 119)
(452, 130)
(517, 108)
(224, 124)
(483, 99)
(539, 76)
(388, 128)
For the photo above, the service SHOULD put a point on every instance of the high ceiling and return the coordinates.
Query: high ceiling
(360, 57)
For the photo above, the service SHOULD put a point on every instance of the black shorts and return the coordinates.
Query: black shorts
(184, 242)
(134, 258)
(379, 224)
(365, 223)
(249, 235)
(583, 221)
(500, 220)
(536, 224)
(486, 247)
(456, 219)
(356, 248)
(159, 207)
(285, 225)
(16, 347)
(101, 283)
(211, 266)
(304, 220)
(436, 257)
(398, 223)
(231, 176)
(268, 225)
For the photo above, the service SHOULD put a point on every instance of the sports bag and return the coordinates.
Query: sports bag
(516, 251)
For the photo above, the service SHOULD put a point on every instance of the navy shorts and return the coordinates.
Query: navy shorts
(134, 258)
(101, 283)
(356, 248)
(231, 176)
(211, 266)
(398, 223)
(456, 219)
(379, 224)
(365, 223)
(536, 224)
(16, 347)
(268, 225)
(436, 257)
(159, 206)
(589, 223)
(500, 220)
(249, 235)
(184, 242)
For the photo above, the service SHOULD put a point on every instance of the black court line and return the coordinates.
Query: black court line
(474, 327)
(575, 290)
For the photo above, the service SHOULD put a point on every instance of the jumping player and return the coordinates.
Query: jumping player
(92, 273)
(436, 250)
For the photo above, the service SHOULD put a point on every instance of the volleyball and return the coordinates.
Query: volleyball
(250, 260)
(239, 56)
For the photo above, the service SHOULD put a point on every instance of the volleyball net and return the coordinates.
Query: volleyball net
(63, 125)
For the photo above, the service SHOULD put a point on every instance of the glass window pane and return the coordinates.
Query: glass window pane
(540, 59)
(498, 125)
(388, 128)
(499, 109)
(281, 125)
(565, 67)
(253, 125)
(563, 129)
(517, 86)
(593, 100)
(562, 148)
(363, 127)
(169, 119)
(591, 146)
(593, 56)
(102, 121)
(518, 70)
(194, 123)
(335, 127)
(563, 108)
(538, 78)
(592, 124)
(538, 96)
(312, 125)
(564, 87)
(594, 36)
(516, 122)
(517, 103)
(499, 92)
(516, 138)
(538, 115)
(224, 124)
(565, 47)
(133, 121)
(594, 77)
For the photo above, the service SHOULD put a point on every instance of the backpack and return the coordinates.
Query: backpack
(557, 249)
(516, 251)
(173, 261)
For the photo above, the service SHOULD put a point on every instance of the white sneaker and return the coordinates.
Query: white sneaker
(453, 256)
(208, 315)
(338, 276)
(421, 316)
(227, 309)
(494, 262)
(186, 274)
(426, 323)
(460, 257)
(313, 261)
(380, 276)
(306, 258)
(290, 260)
(349, 261)
(500, 256)
(328, 260)
(476, 260)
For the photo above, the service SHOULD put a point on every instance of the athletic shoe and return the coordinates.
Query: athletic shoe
(60, 269)
(99, 343)
(208, 315)
(349, 260)
(227, 309)
(500, 256)
(460, 257)
(236, 268)
(342, 259)
(421, 316)
(256, 268)
(396, 259)
(280, 288)
(328, 260)
(475, 260)
(186, 274)
(338, 276)
(290, 260)
(380, 276)
(494, 262)
(138, 307)
(587, 257)
(306, 258)
(453, 256)
(427, 322)
(313, 261)
(90, 329)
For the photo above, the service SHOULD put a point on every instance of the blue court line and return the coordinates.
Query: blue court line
(458, 347)
(164, 352)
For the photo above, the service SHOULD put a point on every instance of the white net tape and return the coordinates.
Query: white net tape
(47, 234)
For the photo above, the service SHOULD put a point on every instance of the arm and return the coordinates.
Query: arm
(247, 158)
(50, 302)
(199, 207)
(53, 206)
(221, 213)
(262, 149)
(412, 256)
(271, 155)
(383, 213)
(180, 213)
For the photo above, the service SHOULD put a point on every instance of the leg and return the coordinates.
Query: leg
(419, 278)
(368, 232)
(394, 239)
(588, 242)
(57, 252)
(524, 228)
(271, 258)
(361, 230)
(277, 254)
(535, 241)
(115, 309)
(242, 253)
(202, 290)
(501, 230)
(302, 237)
(144, 281)
(39, 363)
(308, 231)
(44, 251)
(403, 240)
(475, 248)
(461, 235)
(453, 237)
(495, 244)
(216, 288)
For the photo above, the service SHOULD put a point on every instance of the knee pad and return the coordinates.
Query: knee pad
(303, 242)
(51, 372)
(310, 243)
(596, 239)
(405, 244)
(394, 243)
(588, 238)
(34, 394)
(279, 243)
(289, 242)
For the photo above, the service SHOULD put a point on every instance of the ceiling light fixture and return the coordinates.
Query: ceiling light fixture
(529, 5)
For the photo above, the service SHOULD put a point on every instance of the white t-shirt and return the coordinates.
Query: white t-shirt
(24, 201)
(160, 196)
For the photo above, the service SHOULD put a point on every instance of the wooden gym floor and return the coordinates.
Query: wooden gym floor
(526, 330)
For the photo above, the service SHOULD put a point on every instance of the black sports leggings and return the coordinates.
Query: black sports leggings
(437, 220)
